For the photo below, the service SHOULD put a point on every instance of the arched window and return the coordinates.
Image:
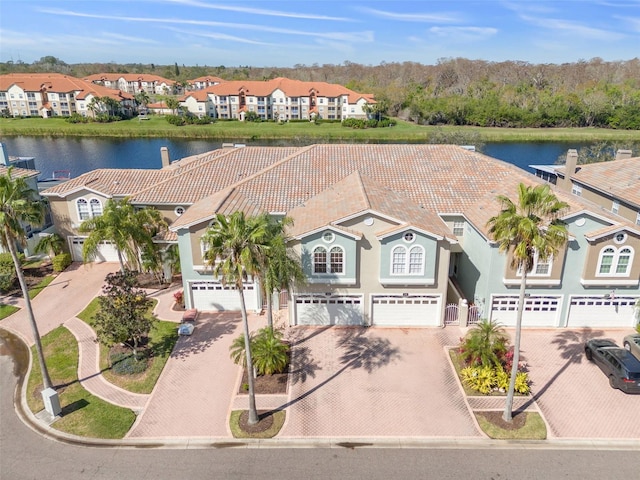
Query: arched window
(83, 209)
(320, 260)
(337, 260)
(96, 207)
(615, 262)
(407, 261)
(398, 260)
(331, 262)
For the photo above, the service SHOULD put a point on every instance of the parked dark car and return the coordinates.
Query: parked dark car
(622, 368)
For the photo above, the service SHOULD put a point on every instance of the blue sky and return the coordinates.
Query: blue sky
(286, 33)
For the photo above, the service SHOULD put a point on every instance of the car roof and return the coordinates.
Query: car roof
(630, 362)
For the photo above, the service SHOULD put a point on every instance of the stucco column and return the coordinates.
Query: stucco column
(463, 312)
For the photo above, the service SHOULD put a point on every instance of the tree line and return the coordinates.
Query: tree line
(454, 91)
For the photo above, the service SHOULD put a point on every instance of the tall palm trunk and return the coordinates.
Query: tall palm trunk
(508, 409)
(46, 379)
(121, 260)
(270, 309)
(253, 413)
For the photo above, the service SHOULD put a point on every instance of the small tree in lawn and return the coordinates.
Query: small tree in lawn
(123, 314)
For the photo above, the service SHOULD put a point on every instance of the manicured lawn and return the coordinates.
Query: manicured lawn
(533, 428)
(6, 310)
(161, 342)
(82, 413)
(300, 132)
(276, 422)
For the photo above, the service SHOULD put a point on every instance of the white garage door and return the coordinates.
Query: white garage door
(539, 311)
(213, 296)
(107, 252)
(329, 310)
(405, 311)
(601, 311)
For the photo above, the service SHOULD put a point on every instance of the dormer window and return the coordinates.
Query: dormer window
(88, 209)
(615, 262)
(331, 261)
(407, 261)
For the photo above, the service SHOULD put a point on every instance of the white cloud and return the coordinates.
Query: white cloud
(463, 34)
(415, 17)
(258, 11)
(566, 27)
(218, 36)
(128, 38)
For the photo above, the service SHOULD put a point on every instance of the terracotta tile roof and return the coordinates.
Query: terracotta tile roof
(292, 88)
(199, 95)
(208, 173)
(110, 182)
(207, 78)
(357, 194)
(18, 172)
(129, 77)
(55, 82)
(618, 178)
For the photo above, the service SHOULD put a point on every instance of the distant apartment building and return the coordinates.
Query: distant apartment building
(204, 82)
(53, 94)
(134, 83)
(279, 99)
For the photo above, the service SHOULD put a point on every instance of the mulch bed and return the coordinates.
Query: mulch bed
(518, 421)
(33, 276)
(266, 384)
(265, 421)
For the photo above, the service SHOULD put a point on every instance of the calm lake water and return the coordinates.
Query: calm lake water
(80, 155)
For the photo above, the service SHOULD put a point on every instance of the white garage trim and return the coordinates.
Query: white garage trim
(328, 309)
(539, 310)
(400, 310)
(214, 296)
(602, 311)
(107, 251)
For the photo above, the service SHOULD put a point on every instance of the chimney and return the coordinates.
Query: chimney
(164, 155)
(569, 169)
(623, 154)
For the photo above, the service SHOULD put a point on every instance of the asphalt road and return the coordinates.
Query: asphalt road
(26, 454)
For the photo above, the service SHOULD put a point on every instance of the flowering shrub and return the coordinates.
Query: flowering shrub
(179, 297)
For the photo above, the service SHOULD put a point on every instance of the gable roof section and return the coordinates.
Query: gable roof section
(128, 77)
(109, 182)
(224, 202)
(356, 195)
(617, 178)
(55, 82)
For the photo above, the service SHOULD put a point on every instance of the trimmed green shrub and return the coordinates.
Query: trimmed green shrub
(61, 262)
(7, 272)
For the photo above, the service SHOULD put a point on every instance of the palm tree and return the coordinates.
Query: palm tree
(484, 344)
(281, 269)
(173, 104)
(235, 246)
(527, 230)
(130, 231)
(50, 244)
(18, 204)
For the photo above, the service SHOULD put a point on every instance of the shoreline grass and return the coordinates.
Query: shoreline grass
(300, 132)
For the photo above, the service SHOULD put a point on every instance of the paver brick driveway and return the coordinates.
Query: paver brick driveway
(573, 393)
(358, 382)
